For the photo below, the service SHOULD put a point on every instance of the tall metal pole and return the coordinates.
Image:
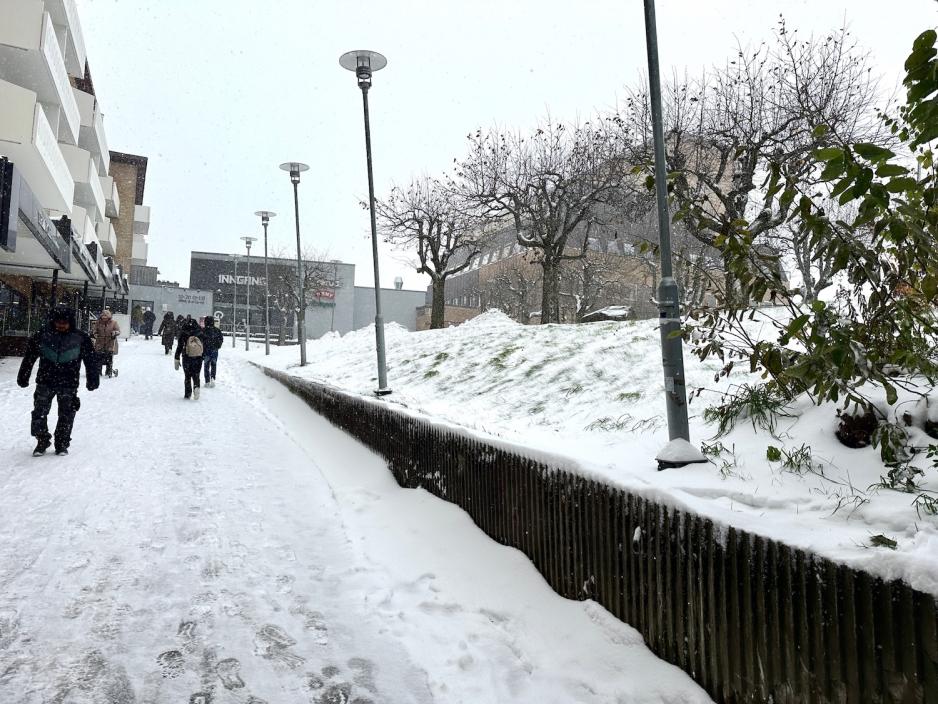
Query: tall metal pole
(668, 299)
(248, 241)
(301, 312)
(266, 296)
(234, 304)
(379, 318)
(247, 317)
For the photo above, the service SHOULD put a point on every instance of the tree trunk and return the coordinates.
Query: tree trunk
(550, 292)
(439, 303)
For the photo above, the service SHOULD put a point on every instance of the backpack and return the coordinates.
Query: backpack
(194, 347)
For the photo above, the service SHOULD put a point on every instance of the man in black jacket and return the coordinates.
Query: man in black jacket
(61, 348)
(190, 347)
(213, 342)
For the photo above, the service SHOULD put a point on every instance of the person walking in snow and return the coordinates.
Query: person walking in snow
(105, 333)
(61, 349)
(167, 332)
(189, 350)
(148, 319)
(136, 319)
(213, 342)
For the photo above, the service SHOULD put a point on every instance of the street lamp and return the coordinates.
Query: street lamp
(248, 241)
(234, 302)
(265, 216)
(679, 451)
(296, 168)
(364, 63)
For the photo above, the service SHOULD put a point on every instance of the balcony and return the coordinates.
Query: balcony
(84, 171)
(83, 226)
(65, 15)
(107, 237)
(112, 201)
(27, 139)
(138, 255)
(141, 220)
(91, 134)
(31, 58)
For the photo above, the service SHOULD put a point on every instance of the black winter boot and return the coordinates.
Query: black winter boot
(41, 446)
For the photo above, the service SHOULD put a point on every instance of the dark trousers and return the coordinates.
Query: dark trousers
(42, 404)
(105, 362)
(191, 366)
(211, 364)
(148, 330)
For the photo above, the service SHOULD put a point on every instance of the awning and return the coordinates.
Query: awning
(28, 238)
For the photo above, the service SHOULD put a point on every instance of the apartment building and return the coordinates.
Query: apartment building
(70, 225)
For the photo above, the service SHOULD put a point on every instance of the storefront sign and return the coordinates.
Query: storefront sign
(193, 298)
(240, 280)
(18, 202)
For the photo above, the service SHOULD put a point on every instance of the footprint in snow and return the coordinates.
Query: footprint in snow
(171, 663)
(228, 671)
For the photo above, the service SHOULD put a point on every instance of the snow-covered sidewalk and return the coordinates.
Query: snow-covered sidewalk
(239, 549)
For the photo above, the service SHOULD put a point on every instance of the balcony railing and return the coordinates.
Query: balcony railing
(88, 192)
(107, 237)
(112, 201)
(139, 252)
(141, 219)
(30, 142)
(32, 58)
(65, 15)
(91, 135)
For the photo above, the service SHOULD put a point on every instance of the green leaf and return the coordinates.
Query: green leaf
(891, 395)
(820, 131)
(886, 170)
(900, 184)
(829, 153)
(881, 541)
(773, 454)
(797, 325)
(872, 152)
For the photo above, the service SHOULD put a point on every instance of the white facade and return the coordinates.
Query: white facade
(53, 133)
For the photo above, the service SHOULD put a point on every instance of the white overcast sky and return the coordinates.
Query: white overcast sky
(217, 93)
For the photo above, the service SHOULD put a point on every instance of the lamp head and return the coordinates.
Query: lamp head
(295, 168)
(248, 241)
(265, 216)
(363, 62)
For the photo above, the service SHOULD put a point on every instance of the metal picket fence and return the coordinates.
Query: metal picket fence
(750, 619)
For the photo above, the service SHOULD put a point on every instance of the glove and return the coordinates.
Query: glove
(176, 364)
(92, 385)
(22, 381)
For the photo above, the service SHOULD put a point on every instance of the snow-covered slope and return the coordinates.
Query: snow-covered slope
(594, 394)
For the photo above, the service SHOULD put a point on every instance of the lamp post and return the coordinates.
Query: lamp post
(265, 216)
(678, 452)
(248, 241)
(234, 302)
(364, 63)
(296, 168)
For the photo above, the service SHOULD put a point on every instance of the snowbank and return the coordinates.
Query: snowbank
(591, 396)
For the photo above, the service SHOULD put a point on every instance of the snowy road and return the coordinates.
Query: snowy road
(239, 549)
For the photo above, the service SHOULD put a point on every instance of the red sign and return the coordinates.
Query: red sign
(326, 293)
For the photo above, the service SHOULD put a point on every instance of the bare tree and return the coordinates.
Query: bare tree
(320, 278)
(432, 219)
(512, 286)
(549, 184)
(743, 133)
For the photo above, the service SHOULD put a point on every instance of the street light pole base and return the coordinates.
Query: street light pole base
(679, 453)
(382, 392)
